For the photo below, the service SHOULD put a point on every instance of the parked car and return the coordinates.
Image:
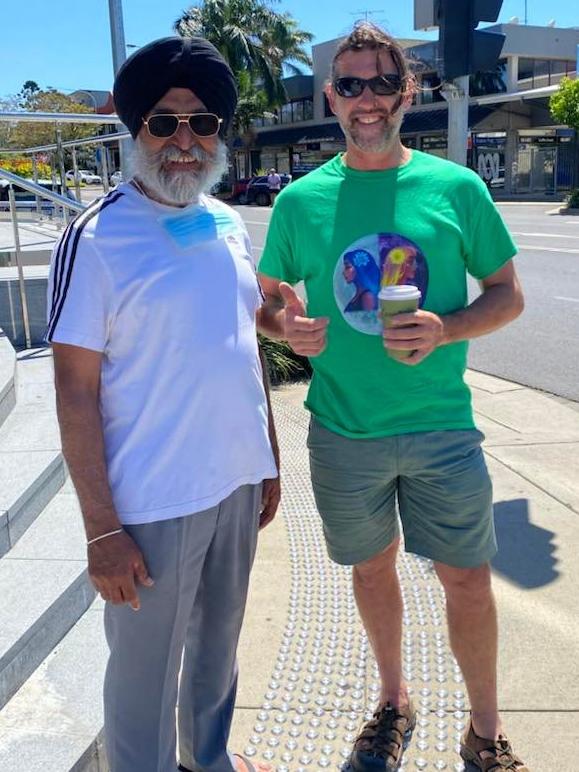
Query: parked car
(258, 191)
(239, 193)
(27, 200)
(83, 175)
(116, 178)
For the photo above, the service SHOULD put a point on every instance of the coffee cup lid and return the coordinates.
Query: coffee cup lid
(399, 292)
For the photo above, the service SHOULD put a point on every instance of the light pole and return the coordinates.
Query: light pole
(119, 50)
(117, 33)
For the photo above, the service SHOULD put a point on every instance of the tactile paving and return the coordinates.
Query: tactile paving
(325, 681)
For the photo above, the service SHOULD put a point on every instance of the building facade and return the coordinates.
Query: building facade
(513, 141)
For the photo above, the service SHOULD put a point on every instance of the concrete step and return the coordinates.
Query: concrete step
(7, 377)
(44, 590)
(32, 468)
(30, 255)
(36, 280)
(53, 722)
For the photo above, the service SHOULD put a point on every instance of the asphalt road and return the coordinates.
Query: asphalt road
(541, 348)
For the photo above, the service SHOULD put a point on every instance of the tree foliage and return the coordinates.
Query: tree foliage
(564, 103)
(255, 40)
(23, 167)
(33, 99)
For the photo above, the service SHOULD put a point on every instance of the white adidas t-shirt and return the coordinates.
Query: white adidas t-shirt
(171, 305)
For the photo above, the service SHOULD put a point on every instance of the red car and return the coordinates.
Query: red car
(239, 193)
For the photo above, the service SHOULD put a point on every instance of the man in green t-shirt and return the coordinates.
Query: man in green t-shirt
(386, 432)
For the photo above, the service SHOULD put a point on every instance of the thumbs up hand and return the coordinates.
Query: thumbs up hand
(306, 336)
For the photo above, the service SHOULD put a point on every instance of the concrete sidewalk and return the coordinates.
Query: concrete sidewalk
(307, 675)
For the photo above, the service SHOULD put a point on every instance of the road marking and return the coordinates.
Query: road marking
(544, 235)
(569, 300)
(255, 222)
(548, 249)
(257, 249)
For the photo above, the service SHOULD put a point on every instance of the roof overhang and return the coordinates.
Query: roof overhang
(515, 96)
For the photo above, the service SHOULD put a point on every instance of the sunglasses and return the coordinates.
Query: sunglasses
(165, 125)
(381, 85)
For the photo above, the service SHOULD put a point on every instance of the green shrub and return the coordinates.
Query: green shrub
(283, 365)
(573, 200)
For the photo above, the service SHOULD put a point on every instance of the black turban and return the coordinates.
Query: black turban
(174, 62)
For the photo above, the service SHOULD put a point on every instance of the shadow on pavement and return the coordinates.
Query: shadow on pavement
(525, 554)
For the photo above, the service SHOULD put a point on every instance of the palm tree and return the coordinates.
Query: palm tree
(251, 37)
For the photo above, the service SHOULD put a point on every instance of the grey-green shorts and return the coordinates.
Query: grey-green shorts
(439, 480)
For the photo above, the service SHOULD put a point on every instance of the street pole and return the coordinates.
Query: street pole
(21, 279)
(117, 34)
(456, 94)
(119, 50)
(60, 158)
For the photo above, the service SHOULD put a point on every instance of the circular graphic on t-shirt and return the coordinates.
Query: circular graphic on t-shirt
(375, 261)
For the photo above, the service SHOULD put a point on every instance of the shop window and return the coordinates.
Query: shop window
(490, 81)
(542, 73)
(562, 67)
(526, 67)
(430, 89)
(286, 113)
(559, 67)
(298, 111)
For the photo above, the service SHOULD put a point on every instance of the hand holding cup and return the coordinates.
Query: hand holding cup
(410, 334)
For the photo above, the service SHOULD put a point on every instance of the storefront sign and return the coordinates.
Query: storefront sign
(488, 166)
(489, 141)
(434, 143)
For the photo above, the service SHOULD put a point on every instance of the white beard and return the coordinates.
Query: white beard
(175, 187)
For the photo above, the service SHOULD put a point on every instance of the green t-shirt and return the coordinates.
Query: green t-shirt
(342, 231)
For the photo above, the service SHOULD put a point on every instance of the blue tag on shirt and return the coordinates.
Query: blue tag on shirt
(197, 226)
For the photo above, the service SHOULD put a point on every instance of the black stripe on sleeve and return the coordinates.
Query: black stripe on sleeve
(61, 256)
(60, 262)
(77, 227)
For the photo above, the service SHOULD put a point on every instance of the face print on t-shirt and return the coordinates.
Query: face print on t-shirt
(376, 261)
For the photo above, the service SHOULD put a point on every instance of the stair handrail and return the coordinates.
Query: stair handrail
(38, 190)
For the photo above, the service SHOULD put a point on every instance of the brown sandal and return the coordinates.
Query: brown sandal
(381, 743)
(490, 755)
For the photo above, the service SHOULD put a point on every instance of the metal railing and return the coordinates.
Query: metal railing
(57, 201)
(41, 193)
(59, 146)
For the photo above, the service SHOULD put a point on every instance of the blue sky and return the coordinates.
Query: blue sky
(66, 43)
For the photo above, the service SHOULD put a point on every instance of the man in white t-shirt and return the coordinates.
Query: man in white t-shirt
(273, 184)
(165, 418)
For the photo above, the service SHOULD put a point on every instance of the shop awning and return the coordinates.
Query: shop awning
(417, 121)
(427, 121)
(323, 132)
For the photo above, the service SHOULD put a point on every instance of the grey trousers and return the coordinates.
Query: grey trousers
(189, 622)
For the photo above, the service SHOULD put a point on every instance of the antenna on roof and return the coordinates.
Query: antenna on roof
(514, 20)
(366, 13)
(551, 23)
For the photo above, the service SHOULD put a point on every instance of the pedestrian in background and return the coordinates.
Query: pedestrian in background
(273, 184)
